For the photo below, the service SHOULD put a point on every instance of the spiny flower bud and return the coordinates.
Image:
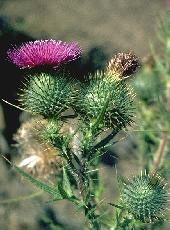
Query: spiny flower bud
(123, 64)
(113, 99)
(144, 197)
(47, 95)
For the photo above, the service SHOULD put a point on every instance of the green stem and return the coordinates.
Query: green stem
(87, 198)
(83, 181)
(91, 216)
(92, 132)
(74, 171)
(90, 206)
(101, 115)
(159, 154)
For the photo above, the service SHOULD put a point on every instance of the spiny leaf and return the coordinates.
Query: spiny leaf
(39, 184)
(62, 191)
(116, 206)
(20, 198)
(66, 183)
(67, 196)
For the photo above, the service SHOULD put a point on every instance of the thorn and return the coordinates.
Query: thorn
(15, 106)
(116, 169)
(7, 160)
(92, 170)
(141, 173)
(145, 172)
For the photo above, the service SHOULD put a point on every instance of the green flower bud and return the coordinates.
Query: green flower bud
(104, 96)
(47, 95)
(144, 197)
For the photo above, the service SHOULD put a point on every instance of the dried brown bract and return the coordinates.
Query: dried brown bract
(123, 64)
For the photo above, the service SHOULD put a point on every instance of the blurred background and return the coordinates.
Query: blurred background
(101, 27)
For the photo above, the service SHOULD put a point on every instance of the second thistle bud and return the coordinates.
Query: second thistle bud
(109, 101)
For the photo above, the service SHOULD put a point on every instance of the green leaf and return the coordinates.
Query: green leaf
(65, 195)
(39, 184)
(66, 183)
(20, 198)
(116, 206)
(62, 191)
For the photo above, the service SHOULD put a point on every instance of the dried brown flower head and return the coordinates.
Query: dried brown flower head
(38, 158)
(123, 64)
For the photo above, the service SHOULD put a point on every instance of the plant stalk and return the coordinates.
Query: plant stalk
(159, 154)
(88, 199)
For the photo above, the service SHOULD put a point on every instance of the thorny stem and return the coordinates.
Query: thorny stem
(83, 176)
(84, 179)
(84, 188)
(90, 214)
(159, 154)
(89, 205)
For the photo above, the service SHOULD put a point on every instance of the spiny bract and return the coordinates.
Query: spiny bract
(144, 197)
(123, 64)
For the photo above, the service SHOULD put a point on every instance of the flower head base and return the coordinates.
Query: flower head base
(123, 65)
(145, 197)
(44, 52)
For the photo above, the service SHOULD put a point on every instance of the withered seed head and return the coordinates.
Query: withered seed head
(36, 157)
(123, 64)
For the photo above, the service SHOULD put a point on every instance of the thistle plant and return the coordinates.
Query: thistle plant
(65, 136)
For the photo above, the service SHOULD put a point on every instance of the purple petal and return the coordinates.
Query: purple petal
(44, 52)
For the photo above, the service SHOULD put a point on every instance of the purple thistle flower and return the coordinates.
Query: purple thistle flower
(44, 52)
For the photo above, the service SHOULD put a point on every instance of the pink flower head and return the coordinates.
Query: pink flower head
(44, 52)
